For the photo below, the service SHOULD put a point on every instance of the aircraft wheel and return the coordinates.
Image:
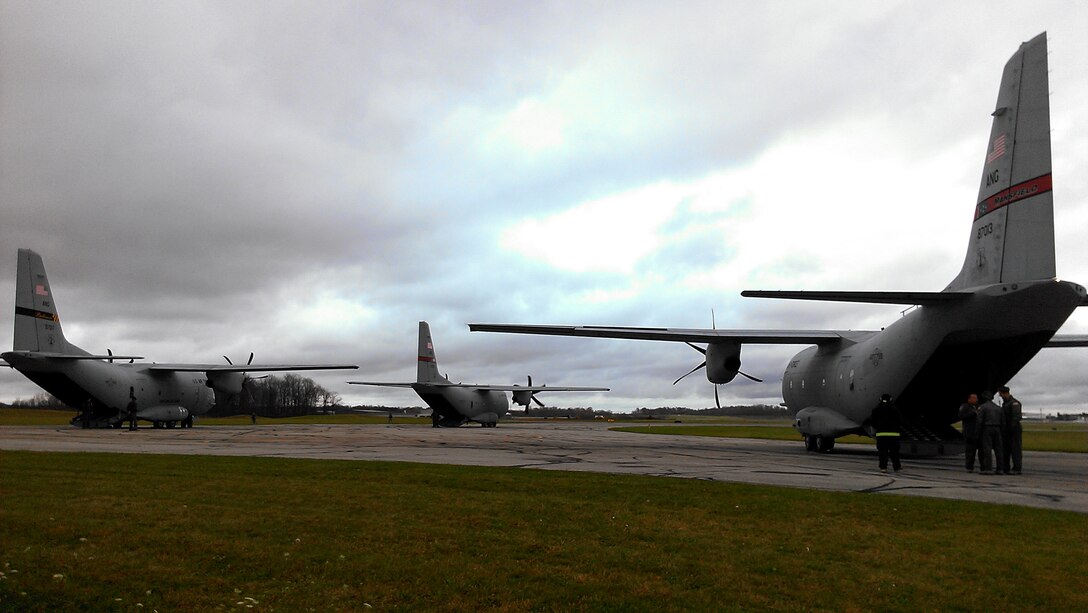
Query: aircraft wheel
(810, 443)
(171, 424)
(824, 444)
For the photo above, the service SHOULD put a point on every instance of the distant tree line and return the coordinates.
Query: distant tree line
(285, 396)
(38, 401)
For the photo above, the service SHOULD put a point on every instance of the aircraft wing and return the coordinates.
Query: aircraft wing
(69, 356)
(904, 298)
(1068, 340)
(380, 384)
(244, 367)
(680, 335)
(527, 388)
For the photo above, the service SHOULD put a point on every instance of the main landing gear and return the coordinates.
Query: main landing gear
(821, 444)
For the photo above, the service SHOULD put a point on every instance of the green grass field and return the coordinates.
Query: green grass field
(1067, 437)
(142, 532)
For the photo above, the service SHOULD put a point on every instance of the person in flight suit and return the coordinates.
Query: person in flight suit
(969, 418)
(1012, 441)
(991, 422)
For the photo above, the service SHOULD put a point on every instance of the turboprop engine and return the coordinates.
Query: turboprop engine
(722, 364)
(524, 398)
(228, 385)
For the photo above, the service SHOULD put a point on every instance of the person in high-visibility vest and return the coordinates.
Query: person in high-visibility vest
(886, 422)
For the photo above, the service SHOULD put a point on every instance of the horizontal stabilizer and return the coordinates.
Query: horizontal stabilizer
(903, 298)
(1067, 340)
(679, 335)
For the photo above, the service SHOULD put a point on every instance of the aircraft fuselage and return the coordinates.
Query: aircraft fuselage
(929, 359)
(160, 396)
(453, 406)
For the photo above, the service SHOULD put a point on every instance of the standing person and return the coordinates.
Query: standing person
(88, 412)
(131, 409)
(969, 418)
(886, 421)
(1014, 433)
(990, 419)
(253, 418)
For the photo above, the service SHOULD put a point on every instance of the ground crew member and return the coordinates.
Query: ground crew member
(1014, 432)
(131, 409)
(88, 411)
(990, 419)
(969, 418)
(886, 422)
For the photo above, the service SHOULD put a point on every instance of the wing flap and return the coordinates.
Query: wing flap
(380, 384)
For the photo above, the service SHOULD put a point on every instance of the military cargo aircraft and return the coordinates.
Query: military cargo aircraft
(1004, 306)
(454, 404)
(102, 386)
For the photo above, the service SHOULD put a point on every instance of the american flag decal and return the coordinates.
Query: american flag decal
(997, 148)
(40, 290)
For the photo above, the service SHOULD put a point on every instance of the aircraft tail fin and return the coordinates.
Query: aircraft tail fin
(37, 325)
(1012, 238)
(427, 364)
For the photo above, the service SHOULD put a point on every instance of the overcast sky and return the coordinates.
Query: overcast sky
(309, 180)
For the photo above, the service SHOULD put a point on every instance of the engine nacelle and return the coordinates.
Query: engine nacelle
(163, 412)
(722, 362)
(522, 398)
(229, 383)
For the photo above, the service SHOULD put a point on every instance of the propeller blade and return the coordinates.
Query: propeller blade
(717, 402)
(690, 371)
(228, 360)
(250, 359)
(110, 352)
(750, 377)
(536, 400)
(696, 347)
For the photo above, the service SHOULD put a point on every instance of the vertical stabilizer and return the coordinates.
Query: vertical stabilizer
(37, 325)
(427, 366)
(1012, 238)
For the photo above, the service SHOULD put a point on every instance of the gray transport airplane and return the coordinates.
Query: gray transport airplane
(101, 386)
(453, 404)
(1004, 306)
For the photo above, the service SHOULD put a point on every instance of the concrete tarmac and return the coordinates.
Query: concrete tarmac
(1050, 480)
